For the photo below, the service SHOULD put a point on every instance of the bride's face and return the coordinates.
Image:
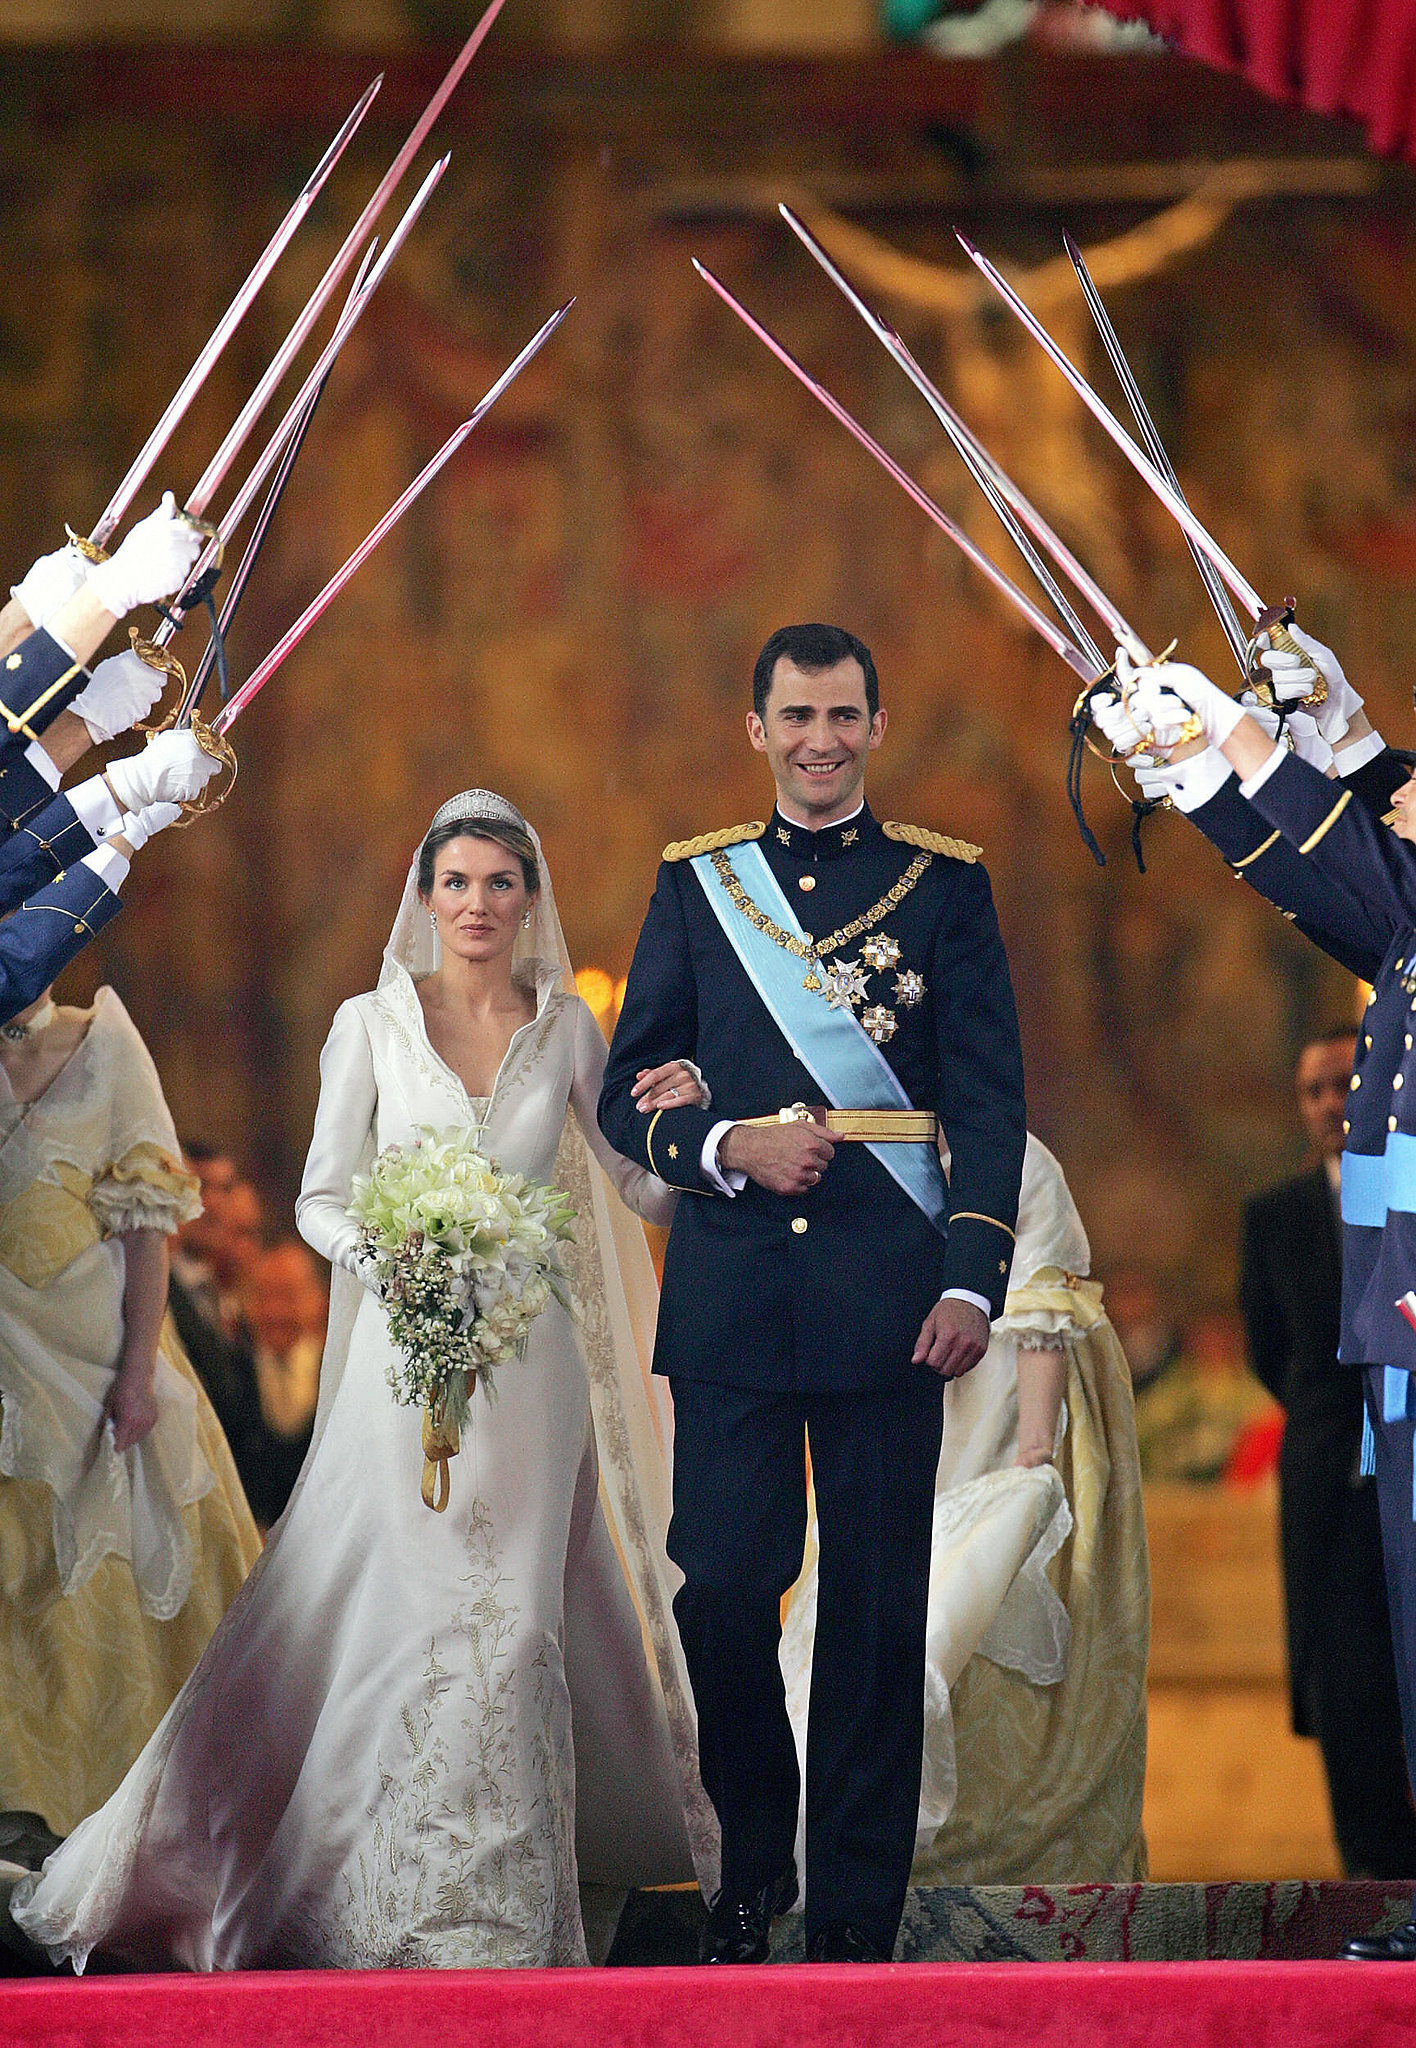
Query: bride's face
(479, 897)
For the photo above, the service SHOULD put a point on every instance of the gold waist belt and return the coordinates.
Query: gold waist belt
(861, 1126)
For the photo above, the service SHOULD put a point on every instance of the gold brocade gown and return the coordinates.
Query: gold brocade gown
(114, 1571)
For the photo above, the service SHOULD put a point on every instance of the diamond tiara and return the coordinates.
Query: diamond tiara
(483, 804)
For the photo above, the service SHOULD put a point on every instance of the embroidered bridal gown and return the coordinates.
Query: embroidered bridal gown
(1039, 1594)
(415, 1730)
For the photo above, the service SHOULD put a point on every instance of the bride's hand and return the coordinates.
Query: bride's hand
(677, 1085)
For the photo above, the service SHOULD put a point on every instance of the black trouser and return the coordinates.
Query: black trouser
(737, 1534)
(1394, 1497)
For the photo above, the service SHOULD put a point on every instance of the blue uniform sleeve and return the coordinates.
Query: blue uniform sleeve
(23, 790)
(45, 933)
(37, 852)
(37, 681)
(981, 1105)
(658, 1021)
(1342, 841)
(1324, 910)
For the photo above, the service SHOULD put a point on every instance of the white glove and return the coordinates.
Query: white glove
(49, 583)
(137, 828)
(172, 769)
(1293, 677)
(1130, 734)
(120, 691)
(1152, 694)
(152, 562)
(1300, 726)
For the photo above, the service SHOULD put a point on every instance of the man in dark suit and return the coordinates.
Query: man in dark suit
(1341, 1671)
(820, 1276)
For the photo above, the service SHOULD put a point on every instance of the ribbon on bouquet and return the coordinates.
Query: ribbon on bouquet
(441, 1442)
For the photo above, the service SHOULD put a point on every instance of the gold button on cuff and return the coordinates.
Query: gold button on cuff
(807, 882)
(799, 1225)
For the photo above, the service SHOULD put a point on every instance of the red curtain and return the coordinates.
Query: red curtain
(1352, 57)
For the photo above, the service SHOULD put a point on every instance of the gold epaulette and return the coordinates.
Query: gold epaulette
(713, 842)
(932, 842)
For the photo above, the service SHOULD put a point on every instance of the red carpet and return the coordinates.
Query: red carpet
(1044, 2005)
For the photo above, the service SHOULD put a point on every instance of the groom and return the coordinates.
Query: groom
(821, 1281)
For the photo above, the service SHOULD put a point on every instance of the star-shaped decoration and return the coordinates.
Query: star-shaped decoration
(673, 1151)
(845, 983)
(880, 952)
(909, 988)
(879, 1022)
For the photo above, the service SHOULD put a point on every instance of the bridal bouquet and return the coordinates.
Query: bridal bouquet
(466, 1258)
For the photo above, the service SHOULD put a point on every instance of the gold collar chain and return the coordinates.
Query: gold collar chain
(807, 948)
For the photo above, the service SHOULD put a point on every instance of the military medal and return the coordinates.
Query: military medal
(845, 984)
(880, 952)
(879, 1022)
(909, 988)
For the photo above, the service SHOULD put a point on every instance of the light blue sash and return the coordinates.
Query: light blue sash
(845, 1062)
(1374, 1182)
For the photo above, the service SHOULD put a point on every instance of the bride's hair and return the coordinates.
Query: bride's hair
(461, 819)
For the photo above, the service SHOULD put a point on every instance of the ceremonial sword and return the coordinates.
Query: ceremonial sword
(291, 639)
(359, 297)
(1270, 619)
(187, 390)
(1085, 661)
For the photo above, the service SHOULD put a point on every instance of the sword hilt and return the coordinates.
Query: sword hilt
(167, 665)
(220, 749)
(1274, 620)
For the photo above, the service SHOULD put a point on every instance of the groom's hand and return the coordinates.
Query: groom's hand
(788, 1159)
(954, 1338)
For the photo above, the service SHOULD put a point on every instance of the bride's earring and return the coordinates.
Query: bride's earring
(526, 922)
(433, 921)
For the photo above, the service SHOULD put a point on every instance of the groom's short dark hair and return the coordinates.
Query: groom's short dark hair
(812, 648)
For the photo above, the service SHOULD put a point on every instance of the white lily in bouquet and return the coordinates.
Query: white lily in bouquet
(465, 1256)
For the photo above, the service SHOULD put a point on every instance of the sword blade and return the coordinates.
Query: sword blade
(363, 290)
(1214, 583)
(192, 383)
(211, 478)
(291, 639)
(1174, 504)
(1075, 658)
(1013, 509)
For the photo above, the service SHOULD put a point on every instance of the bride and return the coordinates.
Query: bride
(372, 1766)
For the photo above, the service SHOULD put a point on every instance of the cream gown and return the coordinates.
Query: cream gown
(1039, 1594)
(377, 1763)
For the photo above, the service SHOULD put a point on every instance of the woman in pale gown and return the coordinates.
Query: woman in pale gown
(124, 1533)
(415, 1731)
(1039, 1591)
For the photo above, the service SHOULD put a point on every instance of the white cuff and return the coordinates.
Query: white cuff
(59, 641)
(967, 1294)
(1198, 779)
(1252, 784)
(109, 865)
(730, 1181)
(42, 765)
(95, 808)
(1350, 759)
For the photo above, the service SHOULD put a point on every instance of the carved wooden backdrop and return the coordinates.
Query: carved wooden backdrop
(572, 613)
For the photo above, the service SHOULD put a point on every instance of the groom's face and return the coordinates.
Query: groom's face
(817, 733)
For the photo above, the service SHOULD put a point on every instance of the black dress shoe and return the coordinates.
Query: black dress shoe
(1397, 1947)
(842, 1944)
(737, 1930)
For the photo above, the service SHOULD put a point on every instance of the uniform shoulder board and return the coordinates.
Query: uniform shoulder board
(713, 842)
(932, 842)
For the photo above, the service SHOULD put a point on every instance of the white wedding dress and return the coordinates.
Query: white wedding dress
(415, 1731)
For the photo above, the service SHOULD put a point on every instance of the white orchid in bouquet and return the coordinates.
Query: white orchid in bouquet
(465, 1255)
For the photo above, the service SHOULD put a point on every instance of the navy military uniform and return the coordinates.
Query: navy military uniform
(784, 1311)
(1351, 883)
(58, 904)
